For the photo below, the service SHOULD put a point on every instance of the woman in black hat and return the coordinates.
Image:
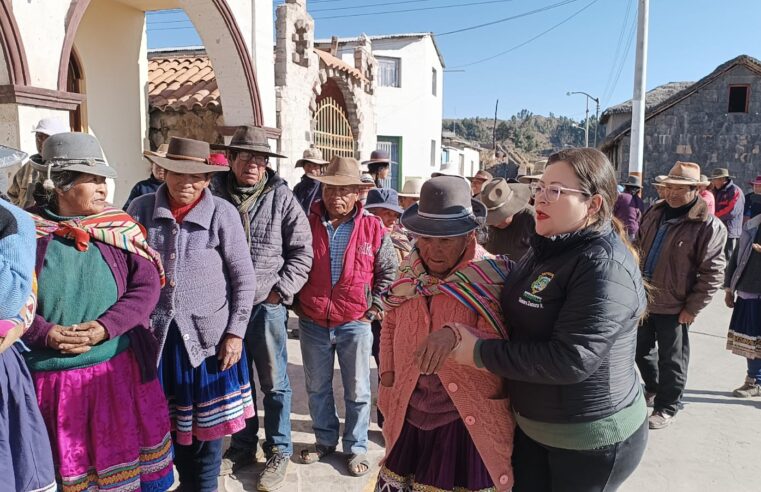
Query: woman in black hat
(379, 166)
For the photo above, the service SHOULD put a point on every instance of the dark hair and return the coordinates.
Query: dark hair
(375, 167)
(596, 177)
(63, 180)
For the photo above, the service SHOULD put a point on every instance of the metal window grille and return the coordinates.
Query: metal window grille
(333, 134)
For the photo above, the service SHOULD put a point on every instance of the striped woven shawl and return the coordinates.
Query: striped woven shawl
(112, 226)
(477, 285)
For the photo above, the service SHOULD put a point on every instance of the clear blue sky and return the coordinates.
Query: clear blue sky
(688, 40)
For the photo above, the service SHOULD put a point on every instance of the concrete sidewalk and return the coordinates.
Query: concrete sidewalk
(713, 445)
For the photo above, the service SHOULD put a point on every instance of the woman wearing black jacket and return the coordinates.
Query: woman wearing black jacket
(572, 306)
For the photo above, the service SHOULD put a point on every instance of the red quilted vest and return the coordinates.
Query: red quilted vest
(351, 297)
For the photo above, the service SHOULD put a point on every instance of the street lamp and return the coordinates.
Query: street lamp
(597, 116)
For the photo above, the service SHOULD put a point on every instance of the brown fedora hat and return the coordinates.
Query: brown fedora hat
(187, 156)
(342, 171)
(683, 173)
(312, 155)
(250, 138)
(445, 209)
(503, 199)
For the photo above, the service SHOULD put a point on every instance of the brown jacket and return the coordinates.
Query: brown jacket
(690, 267)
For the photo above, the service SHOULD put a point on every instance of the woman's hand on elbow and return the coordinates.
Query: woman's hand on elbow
(466, 343)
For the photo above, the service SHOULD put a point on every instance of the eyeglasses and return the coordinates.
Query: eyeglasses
(259, 160)
(552, 192)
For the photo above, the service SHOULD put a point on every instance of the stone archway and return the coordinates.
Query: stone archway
(12, 46)
(208, 28)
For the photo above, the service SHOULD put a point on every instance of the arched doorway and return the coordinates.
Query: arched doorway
(332, 131)
(75, 82)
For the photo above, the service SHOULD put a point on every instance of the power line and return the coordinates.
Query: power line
(419, 9)
(632, 30)
(164, 12)
(546, 31)
(619, 46)
(383, 4)
(512, 17)
(168, 22)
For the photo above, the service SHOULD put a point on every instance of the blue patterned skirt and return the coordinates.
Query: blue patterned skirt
(204, 402)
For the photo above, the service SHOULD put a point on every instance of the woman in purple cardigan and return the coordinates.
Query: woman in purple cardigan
(92, 357)
(203, 311)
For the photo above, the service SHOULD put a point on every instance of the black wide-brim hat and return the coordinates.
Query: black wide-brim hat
(445, 209)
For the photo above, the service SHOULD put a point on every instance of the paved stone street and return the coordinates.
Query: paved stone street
(712, 445)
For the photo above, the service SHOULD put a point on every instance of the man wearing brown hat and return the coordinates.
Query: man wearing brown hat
(510, 218)
(354, 262)
(281, 248)
(308, 190)
(682, 257)
(730, 205)
(478, 181)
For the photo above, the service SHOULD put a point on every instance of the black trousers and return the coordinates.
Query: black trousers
(729, 248)
(664, 370)
(540, 468)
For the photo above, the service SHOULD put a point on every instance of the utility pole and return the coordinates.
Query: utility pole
(586, 118)
(494, 132)
(597, 120)
(637, 143)
(586, 126)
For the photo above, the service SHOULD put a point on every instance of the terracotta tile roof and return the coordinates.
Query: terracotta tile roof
(181, 82)
(338, 64)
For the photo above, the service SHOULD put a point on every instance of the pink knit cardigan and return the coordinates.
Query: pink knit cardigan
(479, 396)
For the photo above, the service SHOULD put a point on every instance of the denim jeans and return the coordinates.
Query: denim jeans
(352, 342)
(754, 369)
(198, 464)
(267, 349)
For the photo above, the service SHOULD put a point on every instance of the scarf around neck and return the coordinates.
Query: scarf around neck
(244, 198)
(111, 226)
(477, 285)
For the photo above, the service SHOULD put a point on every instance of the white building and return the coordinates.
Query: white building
(459, 156)
(409, 100)
(86, 62)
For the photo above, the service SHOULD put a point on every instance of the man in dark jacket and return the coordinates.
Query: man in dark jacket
(281, 249)
(629, 206)
(308, 190)
(510, 218)
(730, 205)
(682, 248)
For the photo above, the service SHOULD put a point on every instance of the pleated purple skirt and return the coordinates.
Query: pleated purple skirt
(444, 459)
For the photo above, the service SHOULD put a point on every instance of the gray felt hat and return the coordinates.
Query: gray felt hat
(73, 151)
(445, 209)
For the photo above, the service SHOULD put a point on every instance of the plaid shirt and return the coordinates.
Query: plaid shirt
(338, 240)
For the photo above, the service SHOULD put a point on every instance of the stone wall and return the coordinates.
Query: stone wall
(699, 129)
(198, 124)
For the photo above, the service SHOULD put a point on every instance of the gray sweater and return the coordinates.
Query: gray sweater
(281, 240)
(210, 280)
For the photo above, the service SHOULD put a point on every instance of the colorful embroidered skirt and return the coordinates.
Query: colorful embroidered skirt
(26, 463)
(440, 460)
(744, 336)
(204, 402)
(109, 430)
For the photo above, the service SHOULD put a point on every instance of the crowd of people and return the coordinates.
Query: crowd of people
(521, 327)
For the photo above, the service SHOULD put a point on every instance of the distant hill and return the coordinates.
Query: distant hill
(532, 136)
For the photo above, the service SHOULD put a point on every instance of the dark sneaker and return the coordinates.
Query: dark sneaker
(236, 459)
(748, 390)
(649, 399)
(273, 476)
(660, 420)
